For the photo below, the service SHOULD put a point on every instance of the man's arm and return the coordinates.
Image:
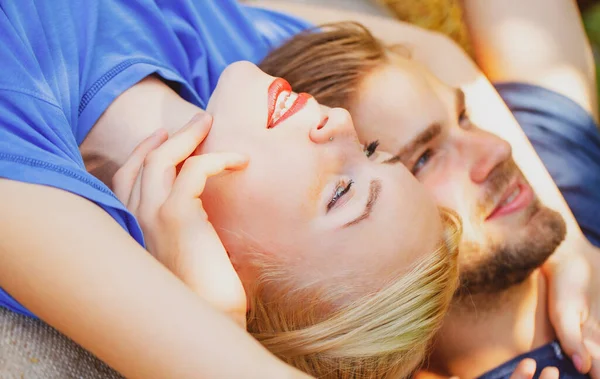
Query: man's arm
(539, 42)
(432, 49)
(67, 261)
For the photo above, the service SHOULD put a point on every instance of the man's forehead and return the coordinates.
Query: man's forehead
(419, 139)
(414, 137)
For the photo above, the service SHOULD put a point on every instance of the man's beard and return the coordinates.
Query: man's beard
(502, 265)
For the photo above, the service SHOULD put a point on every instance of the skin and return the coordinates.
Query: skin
(559, 57)
(425, 124)
(567, 67)
(70, 291)
(56, 307)
(291, 193)
(40, 281)
(573, 290)
(320, 249)
(457, 162)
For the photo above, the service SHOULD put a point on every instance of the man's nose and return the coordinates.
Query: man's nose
(486, 151)
(335, 125)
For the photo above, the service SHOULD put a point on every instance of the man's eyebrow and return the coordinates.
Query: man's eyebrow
(374, 190)
(422, 138)
(460, 100)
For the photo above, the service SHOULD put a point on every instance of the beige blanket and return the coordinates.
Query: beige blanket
(30, 349)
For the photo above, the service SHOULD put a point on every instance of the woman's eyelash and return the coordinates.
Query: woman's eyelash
(340, 191)
(370, 148)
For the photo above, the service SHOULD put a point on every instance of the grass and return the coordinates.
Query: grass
(591, 21)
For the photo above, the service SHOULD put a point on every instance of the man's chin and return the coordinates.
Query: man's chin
(497, 266)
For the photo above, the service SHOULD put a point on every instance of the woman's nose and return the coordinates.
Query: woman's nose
(335, 125)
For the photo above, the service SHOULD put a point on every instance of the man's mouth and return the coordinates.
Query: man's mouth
(283, 103)
(517, 196)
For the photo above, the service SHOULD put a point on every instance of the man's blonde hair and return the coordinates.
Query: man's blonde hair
(384, 334)
(331, 61)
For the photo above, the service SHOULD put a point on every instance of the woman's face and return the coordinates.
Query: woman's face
(310, 199)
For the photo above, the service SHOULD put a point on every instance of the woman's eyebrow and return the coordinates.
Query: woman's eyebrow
(374, 191)
(424, 137)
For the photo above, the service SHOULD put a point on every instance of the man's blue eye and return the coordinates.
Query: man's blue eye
(422, 161)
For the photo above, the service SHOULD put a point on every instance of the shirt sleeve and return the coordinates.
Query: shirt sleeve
(276, 27)
(39, 85)
(567, 140)
(38, 147)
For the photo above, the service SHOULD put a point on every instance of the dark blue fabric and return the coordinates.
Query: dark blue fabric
(567, 140)
(550, 355)
(64, 61)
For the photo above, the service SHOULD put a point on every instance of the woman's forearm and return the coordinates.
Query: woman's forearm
(68, 262)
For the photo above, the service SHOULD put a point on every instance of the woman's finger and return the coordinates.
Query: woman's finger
(525, 369)
(124, 179)
(192, 178)
(591, 340)
(569, 333)
(550, 373)
(160, 165)
(183, 142)
(136, 193)
(210, 273)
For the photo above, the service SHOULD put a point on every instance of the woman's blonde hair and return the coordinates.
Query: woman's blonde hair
(381, 335)
(385, 334)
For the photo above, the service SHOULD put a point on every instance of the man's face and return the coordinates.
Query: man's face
(423, 123)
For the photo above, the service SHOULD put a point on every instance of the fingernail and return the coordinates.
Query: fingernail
(578, 362)
(197, 117)
(157, 132)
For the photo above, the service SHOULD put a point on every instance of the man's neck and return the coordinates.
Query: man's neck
(479, 334)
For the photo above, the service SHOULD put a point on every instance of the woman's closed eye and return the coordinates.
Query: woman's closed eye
(341, 189)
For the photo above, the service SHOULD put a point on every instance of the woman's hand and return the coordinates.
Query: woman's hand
(524, 370)
(574, 305)
(527, 367)
(166, 202)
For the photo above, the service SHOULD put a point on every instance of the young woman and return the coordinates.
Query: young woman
(345, 263)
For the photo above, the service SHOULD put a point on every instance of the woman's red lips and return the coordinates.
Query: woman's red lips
(278, 86)
(299, 103)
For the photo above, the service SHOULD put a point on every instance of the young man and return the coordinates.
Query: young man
(501, 313)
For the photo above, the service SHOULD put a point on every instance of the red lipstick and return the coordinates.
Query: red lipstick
(298, 104)
(278, 86)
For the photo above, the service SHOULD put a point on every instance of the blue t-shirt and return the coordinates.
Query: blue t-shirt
(567, 140)
(64, 61)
